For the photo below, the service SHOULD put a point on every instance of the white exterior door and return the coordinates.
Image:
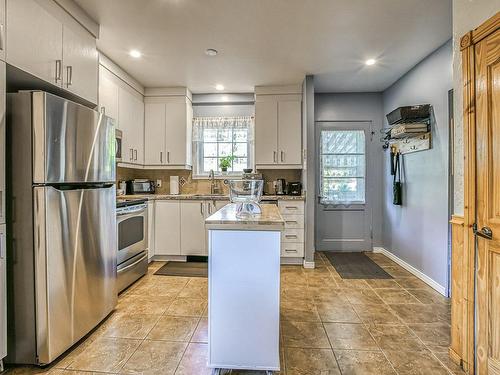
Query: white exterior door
(290, 132)
(266, 132)
(154, 134)
(80, 63)
(34, 40)
(193, 236)
(167, 228)
(343, 206)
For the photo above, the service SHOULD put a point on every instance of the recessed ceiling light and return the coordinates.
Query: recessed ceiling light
(219, 87)
(370, 62)
(211, 52)
(135, 53)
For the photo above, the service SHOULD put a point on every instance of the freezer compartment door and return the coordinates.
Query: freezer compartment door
(75, 264)
(71, 143)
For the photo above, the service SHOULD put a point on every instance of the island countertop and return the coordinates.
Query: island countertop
(225, 218)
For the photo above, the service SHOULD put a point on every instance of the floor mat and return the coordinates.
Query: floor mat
(356, 266)
(187, 269)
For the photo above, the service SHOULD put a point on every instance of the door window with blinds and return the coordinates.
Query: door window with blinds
(342, 167)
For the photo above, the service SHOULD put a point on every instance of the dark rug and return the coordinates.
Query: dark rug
(187, 269)
(356, 266)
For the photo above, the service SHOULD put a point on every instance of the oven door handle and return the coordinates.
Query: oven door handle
(130, 212)
(133, 264)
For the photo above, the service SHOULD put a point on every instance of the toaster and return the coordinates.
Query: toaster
(294, 188)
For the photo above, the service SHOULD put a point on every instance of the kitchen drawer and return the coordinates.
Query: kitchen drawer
(294, 221)
(292, 249)
(291, 207)
(293, 235)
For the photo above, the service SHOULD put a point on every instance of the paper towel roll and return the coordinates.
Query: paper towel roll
(174, 185)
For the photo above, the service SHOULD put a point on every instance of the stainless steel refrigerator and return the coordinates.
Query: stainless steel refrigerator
(61, 224)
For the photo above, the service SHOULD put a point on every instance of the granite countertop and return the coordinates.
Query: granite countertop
(225, 218)
(215, 197)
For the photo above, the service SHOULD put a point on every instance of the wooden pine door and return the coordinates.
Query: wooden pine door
(487, 84)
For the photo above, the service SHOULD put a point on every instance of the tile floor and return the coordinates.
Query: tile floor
(329, 326)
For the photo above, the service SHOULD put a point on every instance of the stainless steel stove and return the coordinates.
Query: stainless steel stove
(132, 225)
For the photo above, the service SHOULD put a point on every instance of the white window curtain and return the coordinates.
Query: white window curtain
(217, 137)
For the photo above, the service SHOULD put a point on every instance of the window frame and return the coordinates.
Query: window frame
(343, 126)
(198, 158)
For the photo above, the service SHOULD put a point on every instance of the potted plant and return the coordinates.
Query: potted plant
(225, 163)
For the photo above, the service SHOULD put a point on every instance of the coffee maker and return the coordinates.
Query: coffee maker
(280, 186)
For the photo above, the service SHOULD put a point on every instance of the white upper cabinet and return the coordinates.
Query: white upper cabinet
(80, 63)
(108, 94)
(290, 132)
(154, 134)
(2, 30)
(168, 127)
(131, 123)
(34, 40)
(45, 41)
(278, 131)
(266, 132)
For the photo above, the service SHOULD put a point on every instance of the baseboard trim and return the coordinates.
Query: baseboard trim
(310, 265)
(422, 276)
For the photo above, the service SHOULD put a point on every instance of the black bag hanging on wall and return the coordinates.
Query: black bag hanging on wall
(397, 190)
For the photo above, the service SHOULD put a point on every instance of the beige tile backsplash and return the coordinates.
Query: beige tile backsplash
(196, 186)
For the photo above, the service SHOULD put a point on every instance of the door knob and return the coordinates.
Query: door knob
(485, 232)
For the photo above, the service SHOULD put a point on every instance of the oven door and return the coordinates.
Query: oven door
(132, 232)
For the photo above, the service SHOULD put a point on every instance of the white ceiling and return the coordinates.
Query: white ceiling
(270, 42)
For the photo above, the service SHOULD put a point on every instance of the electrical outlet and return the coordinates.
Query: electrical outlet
(158, 183)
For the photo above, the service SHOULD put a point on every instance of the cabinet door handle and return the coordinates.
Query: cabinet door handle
(58, 70)
(291, 208)
(290, 251)
(282, 156)
(135, 154)
(69, 76)
(291, 222)
(201, 209)
(290, 235)
(2, 40)
(103, 110)
(275, 154)
(168, 157)
(161, 157)
(2, 246)
(132, 154)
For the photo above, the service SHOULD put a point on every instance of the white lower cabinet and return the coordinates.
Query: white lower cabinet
(151, 229)
(193, 236)
(167, 228)
(3, 294)
(292, 238)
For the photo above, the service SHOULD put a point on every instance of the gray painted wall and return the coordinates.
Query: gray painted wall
(417, 232)
(467, 15)
(359, 107)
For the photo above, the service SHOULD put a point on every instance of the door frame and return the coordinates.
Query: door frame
(463, 350)
(319, 125)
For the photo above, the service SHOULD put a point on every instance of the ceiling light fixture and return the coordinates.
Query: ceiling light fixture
(370, 62)
(135, 53)
(219, 87)
(211, 52)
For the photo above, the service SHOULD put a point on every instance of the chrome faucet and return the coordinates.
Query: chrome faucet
(214, 189)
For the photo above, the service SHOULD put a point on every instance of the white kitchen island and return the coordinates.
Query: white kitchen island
(244, 289)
